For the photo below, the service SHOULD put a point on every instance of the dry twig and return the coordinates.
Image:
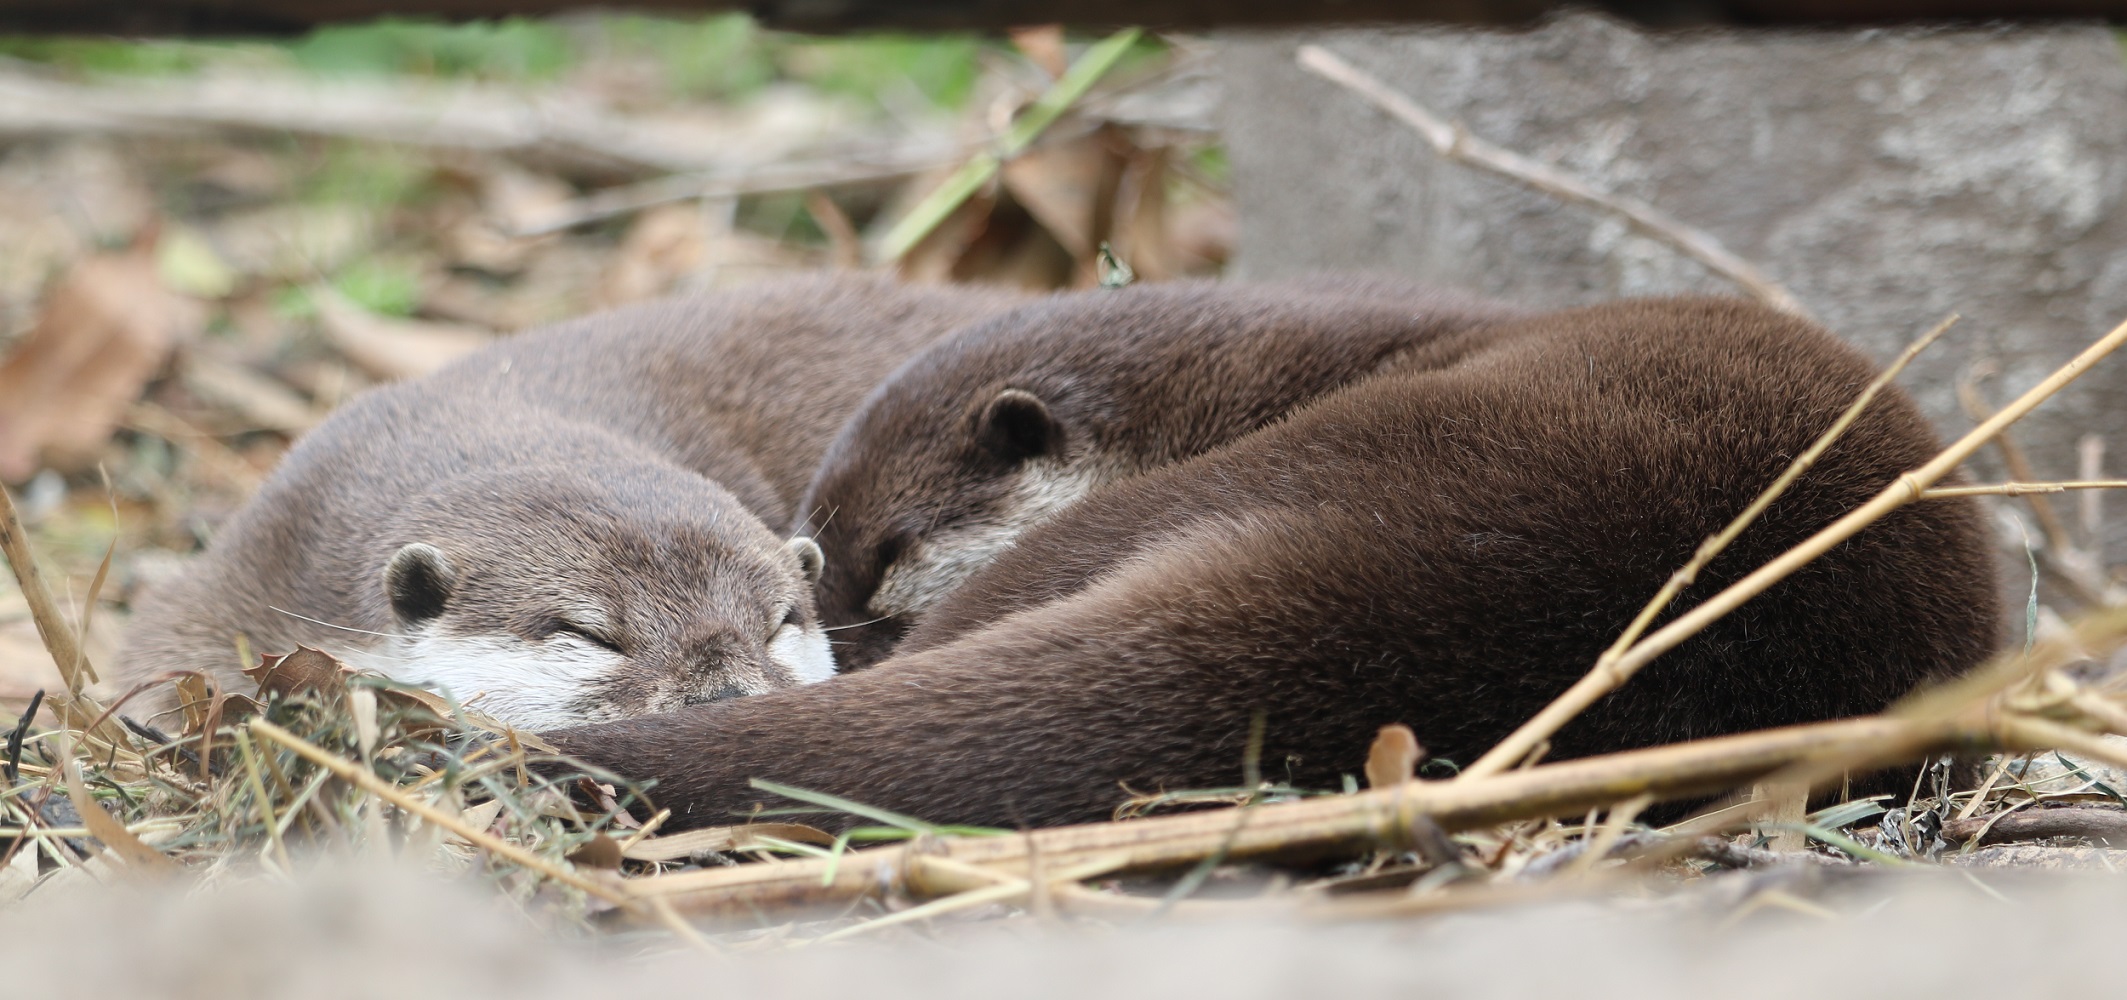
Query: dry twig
(1453, 142)
(2023, 489)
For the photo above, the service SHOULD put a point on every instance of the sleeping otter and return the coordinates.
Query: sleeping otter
(1013, 419)
(572, 523)
(1448, 543)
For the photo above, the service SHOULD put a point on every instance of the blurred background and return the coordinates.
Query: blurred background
(209, 245)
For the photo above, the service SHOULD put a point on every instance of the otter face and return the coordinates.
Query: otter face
(587, 602)
(914, 498)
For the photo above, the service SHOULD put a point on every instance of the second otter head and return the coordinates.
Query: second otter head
(935, 477)
(551, 597)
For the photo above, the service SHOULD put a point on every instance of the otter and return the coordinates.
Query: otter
(570, 525)
(1011, 420)
(1444, 545)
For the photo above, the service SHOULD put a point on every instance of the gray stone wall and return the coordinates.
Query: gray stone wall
(1885, 177)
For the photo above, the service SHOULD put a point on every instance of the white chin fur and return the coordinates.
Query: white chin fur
(936, 566)
(522, 684)
(803, 650)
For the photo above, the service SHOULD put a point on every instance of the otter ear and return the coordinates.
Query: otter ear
(1017, 426)
(810, 559)
(419, 580)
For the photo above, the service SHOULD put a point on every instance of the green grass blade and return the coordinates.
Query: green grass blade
(850, 806)
(977, 171)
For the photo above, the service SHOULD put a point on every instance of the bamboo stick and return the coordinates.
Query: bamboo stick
(1313, 827)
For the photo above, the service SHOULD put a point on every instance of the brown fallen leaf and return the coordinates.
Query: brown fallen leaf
(305, 670)
(107, 326)
(1070, 188)
(1394, 756)
(392, 348)
(138, 856)
(665, 245)
(600, 851)
(260, 401)
(1044, 47)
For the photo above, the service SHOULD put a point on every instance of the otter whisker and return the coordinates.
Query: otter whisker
(815, 530)
(874, 621)
(343, 628)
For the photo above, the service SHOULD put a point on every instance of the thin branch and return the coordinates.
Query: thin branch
(554, 125)
(882, 163)
(1611, 673)
(2107, 825)
(1453, 142)
(2012, 456)
(2021, 489)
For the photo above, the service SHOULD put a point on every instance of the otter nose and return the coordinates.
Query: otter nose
(720, 663)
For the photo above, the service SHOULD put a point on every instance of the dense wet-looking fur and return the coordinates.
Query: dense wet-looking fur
(1014, 418)
(1446, 547)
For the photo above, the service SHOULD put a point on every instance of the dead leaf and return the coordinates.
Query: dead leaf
(305, 670)
(1044, 47)
(845, 245)
(665, 245)
(362, 704)
(515, 200)
(1201, 234)
(1141, 237)
(1070, 187)
(392, 348)
(139, 857)
(1394, 756)
(600, 851)
(106, 328)
(263, 403)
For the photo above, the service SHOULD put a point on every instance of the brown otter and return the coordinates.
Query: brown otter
(1442, 545)
(1011, 420)
(571, 521)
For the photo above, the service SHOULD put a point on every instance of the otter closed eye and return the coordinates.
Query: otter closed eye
(584, 633)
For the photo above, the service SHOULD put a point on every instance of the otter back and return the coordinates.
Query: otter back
(1447, 547)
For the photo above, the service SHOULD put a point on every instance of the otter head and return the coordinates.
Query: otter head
(932, 479)
(550, 597)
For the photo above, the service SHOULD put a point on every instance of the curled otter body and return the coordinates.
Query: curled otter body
(1446, 546)
(573, 523)
(1011, 420)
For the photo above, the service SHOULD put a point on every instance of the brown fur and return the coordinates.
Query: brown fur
(1447, 547)
(1129, 379)
(627, 460)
